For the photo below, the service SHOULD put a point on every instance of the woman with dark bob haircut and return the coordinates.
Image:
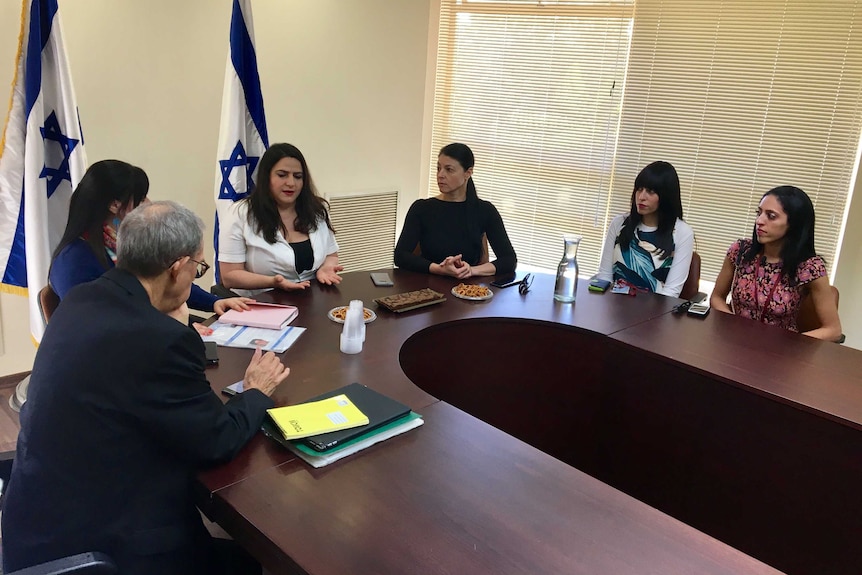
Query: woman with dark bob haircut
(446, 234)
(650, 247)
(280, 236)
(107, 192)
(768, 275)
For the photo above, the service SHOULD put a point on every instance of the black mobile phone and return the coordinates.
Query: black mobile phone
(211, 352)
(598, 285)
(505, 281)
(381, 279)
(698, 310)
(233, 389)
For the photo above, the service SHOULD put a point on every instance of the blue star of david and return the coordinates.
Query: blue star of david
(55, 176)
(238, 159)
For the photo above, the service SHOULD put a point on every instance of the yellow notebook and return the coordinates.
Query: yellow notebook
(313, 418)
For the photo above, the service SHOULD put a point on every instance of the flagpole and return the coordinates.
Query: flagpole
(243, 136)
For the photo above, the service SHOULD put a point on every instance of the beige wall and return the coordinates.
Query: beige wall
(346, 81)
(343, 80)
(848, 272)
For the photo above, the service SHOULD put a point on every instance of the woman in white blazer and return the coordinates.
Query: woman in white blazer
(280, 236)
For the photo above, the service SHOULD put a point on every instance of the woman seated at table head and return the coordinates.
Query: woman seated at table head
(768, 275)
(446, 234)
(280, 236)
(650, 247)
(108, 191)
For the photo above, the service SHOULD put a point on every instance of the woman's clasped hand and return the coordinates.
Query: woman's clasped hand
(456, 267)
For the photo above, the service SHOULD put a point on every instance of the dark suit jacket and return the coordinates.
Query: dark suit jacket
(119, 417)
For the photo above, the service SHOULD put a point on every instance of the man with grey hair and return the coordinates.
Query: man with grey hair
(120, 416)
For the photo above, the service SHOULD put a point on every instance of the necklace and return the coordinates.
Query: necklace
(760, 310)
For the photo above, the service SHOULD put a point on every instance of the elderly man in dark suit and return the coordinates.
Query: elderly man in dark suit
(120, 415)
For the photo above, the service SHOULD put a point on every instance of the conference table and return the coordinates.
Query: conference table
(605, 436)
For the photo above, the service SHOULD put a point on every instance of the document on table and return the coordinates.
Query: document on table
(277, 340)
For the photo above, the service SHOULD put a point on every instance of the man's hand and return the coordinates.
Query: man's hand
(265, 372)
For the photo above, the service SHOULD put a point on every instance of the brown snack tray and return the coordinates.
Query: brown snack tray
(407, 301)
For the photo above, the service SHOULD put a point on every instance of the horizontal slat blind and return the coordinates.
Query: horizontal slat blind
(365, 229)
(742, 96)
(534, 89)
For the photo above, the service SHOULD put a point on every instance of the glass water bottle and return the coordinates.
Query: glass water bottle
(566, 287)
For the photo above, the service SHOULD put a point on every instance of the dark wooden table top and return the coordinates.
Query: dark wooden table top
(455, 495)
(814, 375)
(459, 496)
(317, 364)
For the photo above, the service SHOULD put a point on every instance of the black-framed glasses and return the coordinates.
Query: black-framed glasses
(524, 284)
(202, 268)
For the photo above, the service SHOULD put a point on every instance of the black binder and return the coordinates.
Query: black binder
(379, 409)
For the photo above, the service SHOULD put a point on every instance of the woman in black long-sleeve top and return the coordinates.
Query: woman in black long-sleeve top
(449, 229)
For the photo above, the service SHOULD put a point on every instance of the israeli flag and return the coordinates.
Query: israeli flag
(42, 156)
(242, 134)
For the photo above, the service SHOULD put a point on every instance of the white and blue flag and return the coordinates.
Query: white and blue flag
(42, 156)
(242, 134)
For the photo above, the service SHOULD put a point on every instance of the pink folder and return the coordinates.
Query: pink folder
(265, 315)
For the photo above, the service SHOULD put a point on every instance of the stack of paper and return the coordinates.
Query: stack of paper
(323, 458)
(277, 340)
(385, 418)
(315, 417)
(264, 315)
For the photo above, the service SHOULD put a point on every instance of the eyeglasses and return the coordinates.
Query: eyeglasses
(202, 268)
(524, 284)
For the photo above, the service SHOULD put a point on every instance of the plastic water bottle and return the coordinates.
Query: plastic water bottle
(566, 287)
(353, 332)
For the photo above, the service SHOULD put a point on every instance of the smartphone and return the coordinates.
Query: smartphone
(698, 310)
(381, 279)
(233, 389)
(505, 281)
(211, 352)
(598, 285)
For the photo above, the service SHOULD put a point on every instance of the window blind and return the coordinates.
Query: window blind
(739, 96)
(534, 88)
(742, 97)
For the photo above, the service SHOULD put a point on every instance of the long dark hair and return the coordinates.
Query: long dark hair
(104, 182)
(263, 212)
(462, 154)
(798, 243)
(661, 178)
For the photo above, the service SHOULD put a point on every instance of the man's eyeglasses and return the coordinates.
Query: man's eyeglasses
(524, 284)
(202, 268)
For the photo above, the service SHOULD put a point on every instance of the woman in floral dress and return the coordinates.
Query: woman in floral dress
(769, 275)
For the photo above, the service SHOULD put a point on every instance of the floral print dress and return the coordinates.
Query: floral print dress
(762, 293)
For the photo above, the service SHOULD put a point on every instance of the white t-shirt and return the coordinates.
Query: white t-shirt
(239, 243)
(683, 239)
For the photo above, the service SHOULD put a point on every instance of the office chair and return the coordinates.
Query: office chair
(92, 563)
(806, 318)
(48, 302)
(219, 289)
(692, 283)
